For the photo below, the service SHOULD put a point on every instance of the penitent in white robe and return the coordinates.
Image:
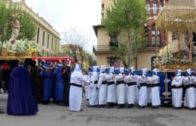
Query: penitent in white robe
(143, 91)
(75, 93)
(189, 98)
(111, 89)
(177, 91)
(93, 100)
(87, 87)
(155, 91)
(102, 86)
(120, 89)
(131, 83)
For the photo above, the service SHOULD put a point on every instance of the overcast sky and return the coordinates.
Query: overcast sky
(69, 14)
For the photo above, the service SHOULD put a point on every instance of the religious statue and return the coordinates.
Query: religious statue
(15, 24)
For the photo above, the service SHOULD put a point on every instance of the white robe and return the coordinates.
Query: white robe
(93, 100)
(189, 98)
(102, 85)
(90, 87)
(143, 92)
(149, 78)
(120, 89)
(131, 82)
(194, 83)
(87, 87)
(155, 91)
(111, 90)
(177, 92)
(75, 93)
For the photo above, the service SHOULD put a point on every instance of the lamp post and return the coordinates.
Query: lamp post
(166, 92)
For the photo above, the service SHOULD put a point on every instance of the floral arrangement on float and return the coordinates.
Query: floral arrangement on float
(172, 62)
(19, 48)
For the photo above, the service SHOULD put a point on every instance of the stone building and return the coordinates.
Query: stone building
(47, 38)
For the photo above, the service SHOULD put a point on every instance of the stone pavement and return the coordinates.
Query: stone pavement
(53, 115)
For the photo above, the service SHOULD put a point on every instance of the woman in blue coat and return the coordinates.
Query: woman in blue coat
(21, 97)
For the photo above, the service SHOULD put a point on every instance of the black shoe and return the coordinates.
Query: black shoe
(100, 106)
(45, 102)
(177, 107)
(1, 111)
(130, 105)
(155, 106)
(142, 106)
(120, 106)
(110, 105)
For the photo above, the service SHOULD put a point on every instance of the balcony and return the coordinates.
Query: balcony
(103, 49)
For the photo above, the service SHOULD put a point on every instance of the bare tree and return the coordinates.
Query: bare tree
(76, 40)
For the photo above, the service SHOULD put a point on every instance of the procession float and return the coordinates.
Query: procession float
(22, 49)
(15, 44)
(177, 19)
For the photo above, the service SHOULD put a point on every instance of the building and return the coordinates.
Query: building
(47, 38)
(154, 39)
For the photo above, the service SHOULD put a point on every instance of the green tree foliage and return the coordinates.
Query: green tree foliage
(4, 19)
(126, 16)
(28, 28)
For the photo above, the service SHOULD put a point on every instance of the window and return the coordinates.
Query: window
(175, 36)
(153, 41)
(52, 45)
(154, 1)
(158, 41)
(43, 52)
(153, 61)
(155, 37)
(43, 39)
(148, 8)
(37, 35)
(113, 40)
(55, 45)
(147, 1)
(102, 9)
(48, 40)
(155, 8)
(154, 31)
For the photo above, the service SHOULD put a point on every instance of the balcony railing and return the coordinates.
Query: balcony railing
(103, 49)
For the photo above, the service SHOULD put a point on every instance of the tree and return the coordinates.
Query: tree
(28, 28)
(4, 19)
(76, 40)
(126, 18)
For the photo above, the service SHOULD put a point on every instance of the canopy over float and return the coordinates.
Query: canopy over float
(178, 16)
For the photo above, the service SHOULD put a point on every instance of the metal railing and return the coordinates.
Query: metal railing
(101, 48)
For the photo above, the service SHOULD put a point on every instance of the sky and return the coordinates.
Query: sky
(70, 14)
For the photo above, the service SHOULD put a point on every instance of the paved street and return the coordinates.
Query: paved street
(53, 115)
